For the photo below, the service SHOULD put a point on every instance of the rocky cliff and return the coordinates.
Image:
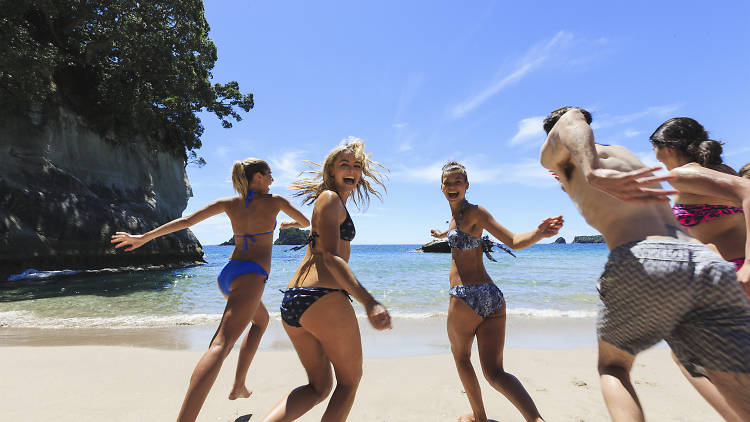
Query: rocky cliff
(64, 190)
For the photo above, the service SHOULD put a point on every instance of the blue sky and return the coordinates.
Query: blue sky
(423, 82)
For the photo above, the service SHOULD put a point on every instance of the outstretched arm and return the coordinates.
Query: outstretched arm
(326, 215)
(572, 139)
(704, 181)
(300, 221)
(548, 227)
(130, 242)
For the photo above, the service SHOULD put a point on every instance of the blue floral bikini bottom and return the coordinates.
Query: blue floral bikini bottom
(484, 299)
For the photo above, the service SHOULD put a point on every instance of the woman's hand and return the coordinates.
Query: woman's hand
(550, 226)
(133, 241)
(378, 316)
(437, 233)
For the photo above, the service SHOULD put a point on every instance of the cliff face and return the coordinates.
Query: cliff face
(64, 191)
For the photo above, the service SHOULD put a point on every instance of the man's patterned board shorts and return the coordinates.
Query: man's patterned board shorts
(680, 292)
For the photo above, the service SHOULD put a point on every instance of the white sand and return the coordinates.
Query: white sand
(105, 383)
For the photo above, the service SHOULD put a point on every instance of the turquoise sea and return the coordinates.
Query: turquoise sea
(544, 281)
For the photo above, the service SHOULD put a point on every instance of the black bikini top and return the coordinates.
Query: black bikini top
(346, 229)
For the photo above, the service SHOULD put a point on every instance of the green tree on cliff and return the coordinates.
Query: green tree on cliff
(128, 67)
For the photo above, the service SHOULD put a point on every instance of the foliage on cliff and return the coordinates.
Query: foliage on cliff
(597, 238)
(128, 67)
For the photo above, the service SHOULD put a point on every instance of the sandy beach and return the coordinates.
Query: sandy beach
(117, 383)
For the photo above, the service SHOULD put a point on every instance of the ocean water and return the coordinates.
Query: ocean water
(544, 282)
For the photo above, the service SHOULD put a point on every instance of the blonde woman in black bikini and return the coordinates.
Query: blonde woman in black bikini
(243, 278)
(316, 308)
(477, 306)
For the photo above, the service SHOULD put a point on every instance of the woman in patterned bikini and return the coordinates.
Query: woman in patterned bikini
(477, 306)
(316, 309)
(243, 278)
(710, 206)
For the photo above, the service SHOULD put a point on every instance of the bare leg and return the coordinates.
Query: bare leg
(736, 390)
(329, 333)
(318, 368)
(247, 352)
(462, 324)
(491, 342)
(709, 392)
(614, 375)
(243, 300)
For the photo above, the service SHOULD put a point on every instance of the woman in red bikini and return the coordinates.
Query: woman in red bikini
(709, 205)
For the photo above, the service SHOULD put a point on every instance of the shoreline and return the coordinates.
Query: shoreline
(410, 337)
(131, 383)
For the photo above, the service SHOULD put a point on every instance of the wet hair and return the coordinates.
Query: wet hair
(553, 117)
(690, 138)
(309, 188)
(454, 167)
(744, 171)
(243, 172)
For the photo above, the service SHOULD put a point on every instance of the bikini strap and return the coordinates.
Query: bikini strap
(249, 198)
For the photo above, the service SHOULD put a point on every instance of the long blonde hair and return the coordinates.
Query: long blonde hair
(243, 172)
(309, 188)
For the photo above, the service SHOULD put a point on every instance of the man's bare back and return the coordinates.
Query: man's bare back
(569, 149)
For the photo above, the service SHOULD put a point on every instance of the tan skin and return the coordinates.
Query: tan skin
(329, 335)
(586, 172)
(467, 268)
(243, 304)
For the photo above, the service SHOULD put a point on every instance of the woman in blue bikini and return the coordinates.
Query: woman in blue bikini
(477, 306)
(242, 280)
(316, 310)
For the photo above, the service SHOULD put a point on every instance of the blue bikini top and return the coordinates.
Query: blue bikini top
(462, 240)
(244, 237)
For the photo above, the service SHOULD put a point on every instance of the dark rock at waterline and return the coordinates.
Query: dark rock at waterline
(438, 245)
(560, 240)
(292, 236)
(64, 190)
(589, 239)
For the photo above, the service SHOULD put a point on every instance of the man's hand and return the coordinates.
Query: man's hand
(631, 186)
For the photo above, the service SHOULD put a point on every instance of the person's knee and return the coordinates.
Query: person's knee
(322, 386)
(221, 345)
(261, 319)
(349, 378)
(463, 360)
(491, 372)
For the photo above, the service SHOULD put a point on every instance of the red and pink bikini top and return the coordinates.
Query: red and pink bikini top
(692, 214)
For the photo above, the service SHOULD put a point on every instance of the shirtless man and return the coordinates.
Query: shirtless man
(659, 283)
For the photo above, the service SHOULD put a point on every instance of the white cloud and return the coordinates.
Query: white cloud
(739, 151)
(406, 146)
(528, 129)
(286, 168)
(400, 125)
(629, 133)
(606, 120)
(533, 59)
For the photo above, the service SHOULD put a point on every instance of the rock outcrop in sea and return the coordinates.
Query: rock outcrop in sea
(589, 239)
(560, 240)
(64, 190)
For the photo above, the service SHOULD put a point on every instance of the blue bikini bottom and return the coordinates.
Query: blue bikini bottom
(484, 299)
(236, 268)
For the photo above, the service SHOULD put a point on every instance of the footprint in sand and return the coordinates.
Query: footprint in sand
(579, 383)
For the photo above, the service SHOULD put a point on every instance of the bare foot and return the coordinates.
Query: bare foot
(240, 393)
(469, 417)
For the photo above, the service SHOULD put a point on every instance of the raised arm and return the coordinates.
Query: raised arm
(571, 140)
(300, 221)
(326, 216)
(122, 239)
(548, 227)
(707, 182)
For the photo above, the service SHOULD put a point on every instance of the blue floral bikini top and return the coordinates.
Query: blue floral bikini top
(462, 240)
